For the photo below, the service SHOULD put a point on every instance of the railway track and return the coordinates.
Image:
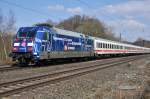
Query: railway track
(8, 68)
(17, 86)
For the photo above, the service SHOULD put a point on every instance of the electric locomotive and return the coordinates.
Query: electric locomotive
(32, 44)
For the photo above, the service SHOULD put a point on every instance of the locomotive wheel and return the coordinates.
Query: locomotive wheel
(23, 62)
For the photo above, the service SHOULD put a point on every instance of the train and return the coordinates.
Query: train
(36, 43)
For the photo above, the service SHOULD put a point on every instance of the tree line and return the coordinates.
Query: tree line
(84, 24)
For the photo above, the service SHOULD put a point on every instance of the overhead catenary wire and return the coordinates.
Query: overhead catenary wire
(27, 9)
(86, 4)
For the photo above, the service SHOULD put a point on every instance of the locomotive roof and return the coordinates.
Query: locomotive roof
(69, 33)
(34, 28)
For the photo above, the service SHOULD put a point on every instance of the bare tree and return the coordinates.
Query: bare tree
(49, 21)
(10, 23)
(6, 28)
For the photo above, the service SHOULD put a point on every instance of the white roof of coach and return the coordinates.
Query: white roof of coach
(108, 41)
(68, 33)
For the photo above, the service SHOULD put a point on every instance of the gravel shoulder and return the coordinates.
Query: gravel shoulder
(110, 83)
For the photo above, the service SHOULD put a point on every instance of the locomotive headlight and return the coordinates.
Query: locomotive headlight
(16, 44)
(30, 44)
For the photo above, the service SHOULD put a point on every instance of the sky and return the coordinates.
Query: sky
(131, 18)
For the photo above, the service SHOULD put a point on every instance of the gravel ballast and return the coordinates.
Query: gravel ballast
(101, 84)
(35, 71)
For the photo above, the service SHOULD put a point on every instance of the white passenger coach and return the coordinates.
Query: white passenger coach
(103, 46)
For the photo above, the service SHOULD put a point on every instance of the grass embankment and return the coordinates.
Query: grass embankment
(4, 59)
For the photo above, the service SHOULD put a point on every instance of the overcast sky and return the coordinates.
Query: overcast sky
(131, 18)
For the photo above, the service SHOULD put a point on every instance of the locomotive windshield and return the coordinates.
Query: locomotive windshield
(27, 34)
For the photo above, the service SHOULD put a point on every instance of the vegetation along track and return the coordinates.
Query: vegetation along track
(13, 87)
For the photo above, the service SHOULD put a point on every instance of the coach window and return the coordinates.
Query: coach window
(100, 45)
(103, 45)
(97, 45)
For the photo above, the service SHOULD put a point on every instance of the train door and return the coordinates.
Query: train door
(82, 42)
(45, 41)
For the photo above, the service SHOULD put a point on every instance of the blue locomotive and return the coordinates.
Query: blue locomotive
(32, 44)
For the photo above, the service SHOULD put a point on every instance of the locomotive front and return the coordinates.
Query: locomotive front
(23, 45)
